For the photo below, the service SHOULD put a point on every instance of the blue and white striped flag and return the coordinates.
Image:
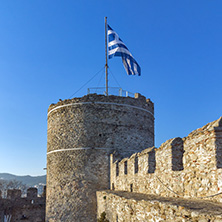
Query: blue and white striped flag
(116, 47)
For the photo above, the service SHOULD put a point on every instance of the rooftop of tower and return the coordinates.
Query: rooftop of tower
(137, 100)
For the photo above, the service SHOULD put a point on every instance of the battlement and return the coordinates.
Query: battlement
(32, 193)
(15, 194)
(17, 208)
(138, 100)
(188, 167)
(83, 132)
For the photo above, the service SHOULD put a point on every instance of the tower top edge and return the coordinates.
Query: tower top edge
(138, 99)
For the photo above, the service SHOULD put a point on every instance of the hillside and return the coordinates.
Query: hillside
(30, 181)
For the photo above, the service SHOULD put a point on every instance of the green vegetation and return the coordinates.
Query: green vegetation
(102, 218)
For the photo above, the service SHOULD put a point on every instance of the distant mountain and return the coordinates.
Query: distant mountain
(30, 181)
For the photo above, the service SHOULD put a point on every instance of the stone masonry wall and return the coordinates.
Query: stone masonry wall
(16, 208)
(82, 132)
(122, 206)
(102, 121)
(189, 167)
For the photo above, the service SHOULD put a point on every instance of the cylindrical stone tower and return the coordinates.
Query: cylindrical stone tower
(82, 132)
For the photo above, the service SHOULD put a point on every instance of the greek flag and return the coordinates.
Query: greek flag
(116, 47)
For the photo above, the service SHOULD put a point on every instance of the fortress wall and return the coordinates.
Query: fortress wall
(30, 208)
(82, 132)
(14, 194)
(188, 167)
(133, 207)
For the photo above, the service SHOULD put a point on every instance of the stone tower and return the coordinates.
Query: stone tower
(82, 132)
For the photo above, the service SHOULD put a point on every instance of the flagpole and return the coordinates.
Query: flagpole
(106, 66)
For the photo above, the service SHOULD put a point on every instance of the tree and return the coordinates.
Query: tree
(11, 184)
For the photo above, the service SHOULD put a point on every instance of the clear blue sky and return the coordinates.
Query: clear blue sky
(50, 48)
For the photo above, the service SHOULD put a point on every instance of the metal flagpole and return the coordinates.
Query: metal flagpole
(106, 56)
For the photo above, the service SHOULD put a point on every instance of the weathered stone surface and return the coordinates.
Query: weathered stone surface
(179, 181)
(130, 207)
(188, 167)
(82, 132)
(30, 208)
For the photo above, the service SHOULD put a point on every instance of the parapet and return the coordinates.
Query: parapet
(188, 167)
(17, 208)
(212, 126)
(14, 194)
(139, 100)
(32, 193)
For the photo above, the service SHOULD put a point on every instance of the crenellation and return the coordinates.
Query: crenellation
(121, 166)
(14, 194)
(138, 101)
(97, 142)
(142, 164)
(19, 208)
(32, 193)
(186, 167)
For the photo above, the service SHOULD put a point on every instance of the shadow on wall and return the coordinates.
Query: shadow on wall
(219, 157)
(177, 148)
(218, 143)
(152, 161)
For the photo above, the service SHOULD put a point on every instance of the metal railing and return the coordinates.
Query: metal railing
(116, 91)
